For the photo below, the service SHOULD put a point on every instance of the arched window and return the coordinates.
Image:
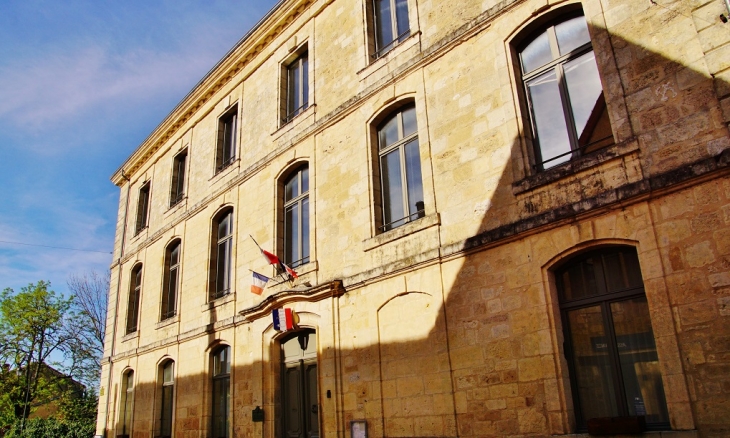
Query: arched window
(124, 429)
(564, 94)
(135, 291)
(296, 217)
(221, 365)
(400, 169)
(610, 347)
(221, 256)
(171, 280)
(166, 399)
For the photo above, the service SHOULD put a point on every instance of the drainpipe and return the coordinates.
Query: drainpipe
(116, 305)
(723, 17)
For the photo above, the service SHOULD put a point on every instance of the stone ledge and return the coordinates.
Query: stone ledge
(645, 187)
(402, 231)
(225, 299)
(572, 167)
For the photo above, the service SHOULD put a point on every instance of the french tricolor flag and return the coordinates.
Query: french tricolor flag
(283, 319)
(258, 283)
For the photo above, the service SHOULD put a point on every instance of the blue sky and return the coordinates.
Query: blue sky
(82, 84)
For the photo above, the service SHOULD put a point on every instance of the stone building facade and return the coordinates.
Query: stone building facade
(508, 218)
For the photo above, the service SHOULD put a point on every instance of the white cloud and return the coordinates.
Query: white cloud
(59, 87)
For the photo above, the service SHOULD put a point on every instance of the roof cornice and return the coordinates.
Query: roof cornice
(241, 55)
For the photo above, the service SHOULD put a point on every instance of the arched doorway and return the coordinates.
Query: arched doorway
(610, 347)
(299, 389)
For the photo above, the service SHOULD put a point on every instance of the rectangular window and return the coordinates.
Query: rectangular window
(297, 87)
(390, 24)
(177, 187)
(226, 143)
(143, 204)
(135, 289)
(172, 276)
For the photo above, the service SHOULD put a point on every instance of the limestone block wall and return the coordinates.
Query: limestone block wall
(449, 325)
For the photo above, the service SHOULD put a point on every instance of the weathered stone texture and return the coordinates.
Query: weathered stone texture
(450, 325)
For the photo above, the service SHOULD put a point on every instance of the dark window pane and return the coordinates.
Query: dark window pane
(548, 117)
(383, 23)
(166, 411)
(305, 180)
(639, 362)
(401, 13)
(174, 254)
(305, 230)
(585, 91)
(413, 178)
(409, 121)
(167, 376)
(536, 54)
(305, 80)
(389, 133)
(393, 208)
(221, 362)
(171, 294)
(572, 34)
(223, 226)
(592, 365)
(291, 234)
(221, 402)
(293, 88)
(291, 189)
(292, 401)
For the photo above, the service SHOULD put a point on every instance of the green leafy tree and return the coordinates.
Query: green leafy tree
(36, 326)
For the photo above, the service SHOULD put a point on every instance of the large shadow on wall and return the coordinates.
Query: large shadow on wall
(484, 357)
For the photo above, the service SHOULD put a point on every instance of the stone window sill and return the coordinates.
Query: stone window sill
(177, 206)
(226, 170)
(402, 231)
(571, 167)
(169, 321)
(299, 119)
(225, 299)
(377, 64)
(130, 336)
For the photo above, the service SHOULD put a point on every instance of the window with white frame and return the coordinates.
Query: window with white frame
(567, 107)
(390, 24)
(296, 217)
(297, 86)
(221, 254)
(400, 169)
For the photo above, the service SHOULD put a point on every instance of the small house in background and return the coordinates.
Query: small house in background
(473, 218)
